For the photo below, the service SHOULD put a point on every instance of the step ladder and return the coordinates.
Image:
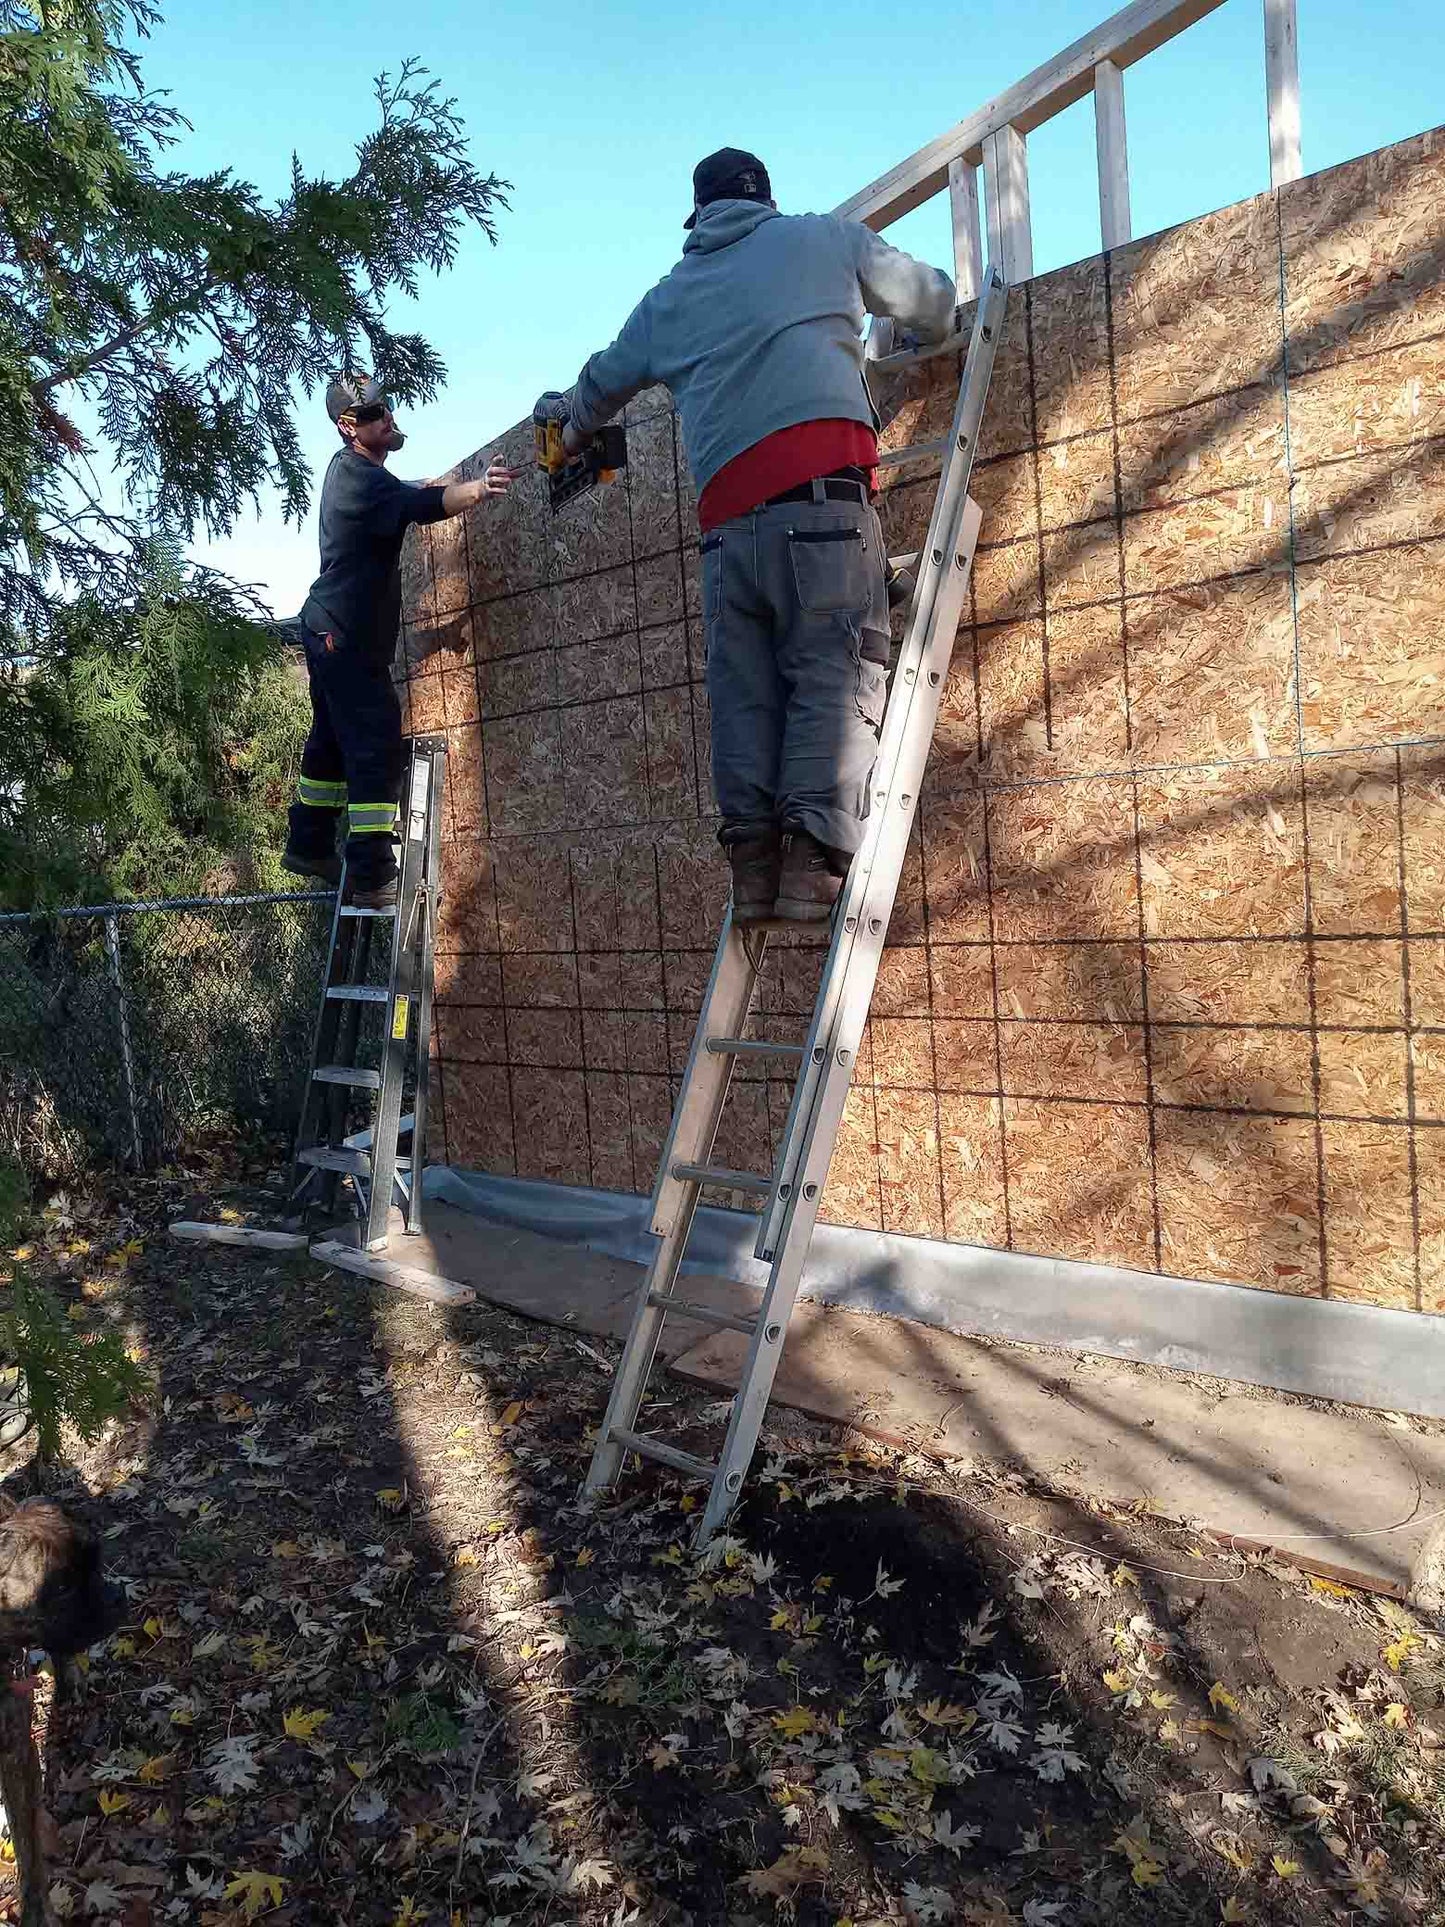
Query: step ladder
(362, 1015)
(791, 1194)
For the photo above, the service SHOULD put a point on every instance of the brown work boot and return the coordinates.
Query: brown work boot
(755, 862)
(809, 885)
(374, 896)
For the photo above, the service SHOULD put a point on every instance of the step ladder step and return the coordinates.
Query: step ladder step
(728, 1180)
(358, 1080)
(664, 1454)
(751, 1047)
(324, 1158)
(355, 910)
(704, 1314)
(359, 993)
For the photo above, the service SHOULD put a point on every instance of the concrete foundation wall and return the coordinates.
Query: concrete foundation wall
(1166, 980)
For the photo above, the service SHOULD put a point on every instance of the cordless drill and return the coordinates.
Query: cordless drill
(572, 475)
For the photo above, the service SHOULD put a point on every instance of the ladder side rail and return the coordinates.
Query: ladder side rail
(726, 1006)
(430, 905)
(629, 1382)
(937, 567)
(322, 1035)
(401, 985)
(821, 1128)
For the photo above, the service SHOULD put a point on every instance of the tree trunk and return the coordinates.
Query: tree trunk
(20, 1787)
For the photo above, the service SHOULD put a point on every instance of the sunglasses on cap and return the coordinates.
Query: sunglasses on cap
(374, 411)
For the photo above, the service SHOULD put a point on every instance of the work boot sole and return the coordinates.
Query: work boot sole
(323, 869)
(802, 910)
(753, 910)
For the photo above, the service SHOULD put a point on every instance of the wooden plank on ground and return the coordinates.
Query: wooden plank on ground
(193, 1231)
(385, 1271)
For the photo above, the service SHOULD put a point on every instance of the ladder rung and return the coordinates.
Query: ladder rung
(704, 1314)
(326, 1159)
(751, 1047)
(728, 1180)
(355, 910)
(359, 993)
(665, 1454)
(360, 1080)
(361, 1140)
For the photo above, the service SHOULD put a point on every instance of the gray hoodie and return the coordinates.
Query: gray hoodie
(758, 327)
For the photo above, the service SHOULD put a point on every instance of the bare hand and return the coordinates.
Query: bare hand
(497, 480)
(573, 441)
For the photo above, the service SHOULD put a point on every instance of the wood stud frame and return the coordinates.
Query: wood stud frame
(995, 136)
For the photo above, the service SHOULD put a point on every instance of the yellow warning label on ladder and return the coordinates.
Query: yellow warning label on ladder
(400, 1012)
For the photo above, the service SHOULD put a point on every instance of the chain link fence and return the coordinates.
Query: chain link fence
(127, 1027)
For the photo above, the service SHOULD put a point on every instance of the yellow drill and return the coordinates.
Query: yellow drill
(571, 475)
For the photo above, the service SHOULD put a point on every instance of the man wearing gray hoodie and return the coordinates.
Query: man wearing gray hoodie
(757, 333)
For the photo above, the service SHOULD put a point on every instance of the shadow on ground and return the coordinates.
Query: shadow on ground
(377, 1667)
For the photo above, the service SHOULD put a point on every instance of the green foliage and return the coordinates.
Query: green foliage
(423, 1723)
(160, 325)
(152, 752)
(14, 1201)
(85, 1378)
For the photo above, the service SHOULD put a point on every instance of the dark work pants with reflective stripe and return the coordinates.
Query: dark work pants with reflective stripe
(795, 614)
(355, 740)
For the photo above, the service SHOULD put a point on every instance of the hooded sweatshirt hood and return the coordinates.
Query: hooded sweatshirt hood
(721, 223)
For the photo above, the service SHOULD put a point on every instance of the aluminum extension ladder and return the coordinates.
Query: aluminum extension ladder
(329, 1144)
(792, 1192)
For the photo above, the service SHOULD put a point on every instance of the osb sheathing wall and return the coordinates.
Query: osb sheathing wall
(1166, 980)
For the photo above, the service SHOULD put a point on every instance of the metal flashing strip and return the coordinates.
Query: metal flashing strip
(1317, 1348)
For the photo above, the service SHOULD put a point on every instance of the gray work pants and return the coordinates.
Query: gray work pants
(796, 624)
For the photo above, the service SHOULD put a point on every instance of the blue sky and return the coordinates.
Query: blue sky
(597, 112)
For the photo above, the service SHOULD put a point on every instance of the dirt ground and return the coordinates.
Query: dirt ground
(378, 1664)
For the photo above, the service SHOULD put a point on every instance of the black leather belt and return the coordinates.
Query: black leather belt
(836, 488)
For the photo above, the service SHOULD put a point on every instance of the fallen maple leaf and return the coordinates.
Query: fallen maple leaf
(798, 1867)
(153, 1771)
(1397, 1715)
(256, 1891)
(300, 1725)
(113, 1802)
(1221, 1699)
(1286, 1869)
(797, 1721)
(1331, 1591)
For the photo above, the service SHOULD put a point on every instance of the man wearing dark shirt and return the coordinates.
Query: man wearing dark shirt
(349, 625)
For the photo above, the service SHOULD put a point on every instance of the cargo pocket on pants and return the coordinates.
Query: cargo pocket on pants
(831, 571)
(870, 691)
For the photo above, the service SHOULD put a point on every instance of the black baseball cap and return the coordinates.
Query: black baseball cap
(345, 393)
(731, 174)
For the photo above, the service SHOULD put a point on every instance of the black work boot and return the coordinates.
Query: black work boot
(810, 881)
(755, 861)
(326, 869)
